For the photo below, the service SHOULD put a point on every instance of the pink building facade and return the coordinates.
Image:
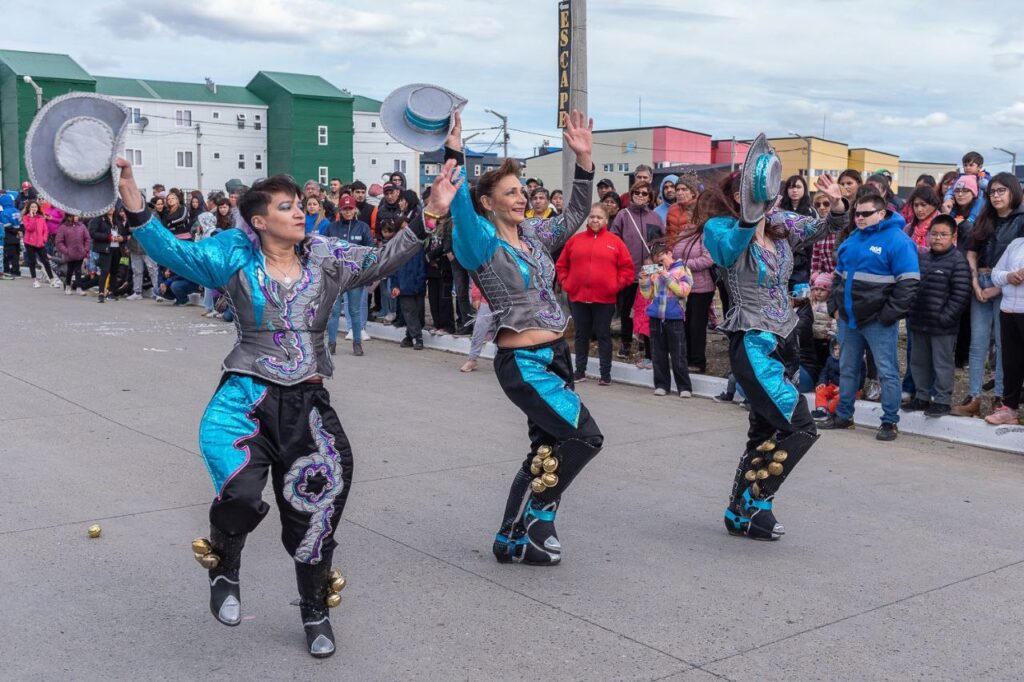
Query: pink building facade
(675, 145)
(727, 151)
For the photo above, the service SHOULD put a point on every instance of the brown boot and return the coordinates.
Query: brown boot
(970, 407)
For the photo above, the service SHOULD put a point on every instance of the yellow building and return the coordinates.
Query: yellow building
(826, 156)
(867, 161)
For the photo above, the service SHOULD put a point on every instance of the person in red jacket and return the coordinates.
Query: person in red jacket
(594, 266)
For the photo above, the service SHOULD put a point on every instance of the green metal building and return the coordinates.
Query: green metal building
(54, 74)
(309, 126)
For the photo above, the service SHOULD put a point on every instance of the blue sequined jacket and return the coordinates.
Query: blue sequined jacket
(518, 283)
(280, 328)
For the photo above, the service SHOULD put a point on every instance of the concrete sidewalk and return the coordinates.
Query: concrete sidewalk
(900, 559)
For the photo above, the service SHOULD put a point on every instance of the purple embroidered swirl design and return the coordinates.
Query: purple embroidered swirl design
(291, 338)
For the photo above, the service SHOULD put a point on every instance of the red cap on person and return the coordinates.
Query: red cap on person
(346, 201)
(26, 184)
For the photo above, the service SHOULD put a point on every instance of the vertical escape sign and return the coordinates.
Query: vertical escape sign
(564, 59)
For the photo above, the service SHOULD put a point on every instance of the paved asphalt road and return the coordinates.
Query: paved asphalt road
(902, 561)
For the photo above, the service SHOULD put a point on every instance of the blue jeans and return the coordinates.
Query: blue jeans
(181, 288)
(388, 305)
(984, 324)
(354, 301)
(882, 340)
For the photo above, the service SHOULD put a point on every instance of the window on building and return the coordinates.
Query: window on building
(184, 159)
(624, 167)
(373, 162)
(400, 165)
(183, 117)
(257, 122)
(134, 114)
(476, 169)
(134, 156)
(322, 175)
(216, 115)
(241, 162)
(241, 121)
(216, 155)
(321, 135)
(258, 162)
(373, 124)
(608, 167)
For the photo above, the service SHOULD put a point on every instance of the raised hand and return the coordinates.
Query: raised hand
(828, 185)
(454, 140)
(443, 189)
(128, 189)
(578, 136)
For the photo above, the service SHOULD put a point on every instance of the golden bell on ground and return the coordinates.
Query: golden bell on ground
(535, 470)
(544, 451)
(550, 480)
(334, 574)
(537, 486)
(201, 546)
(757, 462)
(550, 465)
(337, 584)
(762, 474)
(751, 475)
(333, 599)
(766, 446)
(775, 469)
(780, 456)
(209, 561)
(94, 531)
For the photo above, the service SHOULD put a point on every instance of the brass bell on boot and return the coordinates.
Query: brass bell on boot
(209, 561)
(549, 480)
(550, 465)
(337, 584)
(762, 474)
(544, 451)
(780, 456)
(332, 600)
(757, 462)
(537, 486)
(535, 470)
(775, 469)
(334, 574)
(537, 461)
(750, 475)
(201, 546)
(766, 446)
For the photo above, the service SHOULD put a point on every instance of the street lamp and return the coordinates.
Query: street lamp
(808, 141)
(39, 91)
(504, 127)
(1013, 159)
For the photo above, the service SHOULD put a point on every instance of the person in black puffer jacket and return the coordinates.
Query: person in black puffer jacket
(943, 295)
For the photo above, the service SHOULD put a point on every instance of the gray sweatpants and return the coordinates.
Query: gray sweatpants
(140, 263)
(931, 364)
(483, 327)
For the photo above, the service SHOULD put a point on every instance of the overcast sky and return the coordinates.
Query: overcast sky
(925, 80)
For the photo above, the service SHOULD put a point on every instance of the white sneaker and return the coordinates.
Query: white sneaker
(685, 394)
(81, 292)
(56, 283)
(660, 392)
(67, 291)
(349, 337)
(36, 284)
(134, 297)
(366, 335)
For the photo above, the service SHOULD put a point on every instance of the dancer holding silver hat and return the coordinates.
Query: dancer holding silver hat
(271, 415)
(756, 250)
(509, 257)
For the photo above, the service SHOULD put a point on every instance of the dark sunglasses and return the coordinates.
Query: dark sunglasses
(822, 203)
(866, 214)
(642, 193)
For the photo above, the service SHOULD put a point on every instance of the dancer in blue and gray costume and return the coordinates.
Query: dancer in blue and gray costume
(509, 257)
(761, 324)
(271, 416)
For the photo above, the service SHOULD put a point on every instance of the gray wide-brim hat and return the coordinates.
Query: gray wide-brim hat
(760, 180)
(70, 151)
(420, 116)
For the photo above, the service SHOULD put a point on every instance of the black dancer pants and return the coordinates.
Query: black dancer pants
(698, 308)
(625, 311)
(252, 431)
(668, 354)
(34, 253)
(593, 319)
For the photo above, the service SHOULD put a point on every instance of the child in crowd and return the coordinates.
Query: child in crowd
(74, 244)
(410, 288)
(972, 162)
(641, 324)
(666, 287)
(826, 393)
(388, 304)
(824, 324)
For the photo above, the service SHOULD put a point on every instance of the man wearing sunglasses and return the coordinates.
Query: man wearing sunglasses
(877, 275)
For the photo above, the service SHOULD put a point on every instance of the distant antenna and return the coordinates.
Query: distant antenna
(210, 85)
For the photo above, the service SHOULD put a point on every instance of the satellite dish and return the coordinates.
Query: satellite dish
(143, 122)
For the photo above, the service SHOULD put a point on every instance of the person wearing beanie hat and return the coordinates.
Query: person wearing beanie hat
(349, 228)
(966, 205)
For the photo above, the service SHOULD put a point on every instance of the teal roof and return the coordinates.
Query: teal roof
(176, 91)
(365, 104)
(44, 65)
(305, 85)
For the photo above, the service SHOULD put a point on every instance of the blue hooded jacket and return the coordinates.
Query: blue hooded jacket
(877, 274)
(10, 219)
(662, 208)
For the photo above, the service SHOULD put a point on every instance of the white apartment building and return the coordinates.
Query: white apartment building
(190, 135)
(375, 153)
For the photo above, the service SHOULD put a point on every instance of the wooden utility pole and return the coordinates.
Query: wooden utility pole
(572, 51)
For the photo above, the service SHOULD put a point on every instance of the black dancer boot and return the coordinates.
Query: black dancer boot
(511, 536)
(316, 594)
(763, 472)
(222, 555)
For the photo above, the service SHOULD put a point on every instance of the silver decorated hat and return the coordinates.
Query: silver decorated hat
(70, 151)
(760, 180)
(420, 116)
